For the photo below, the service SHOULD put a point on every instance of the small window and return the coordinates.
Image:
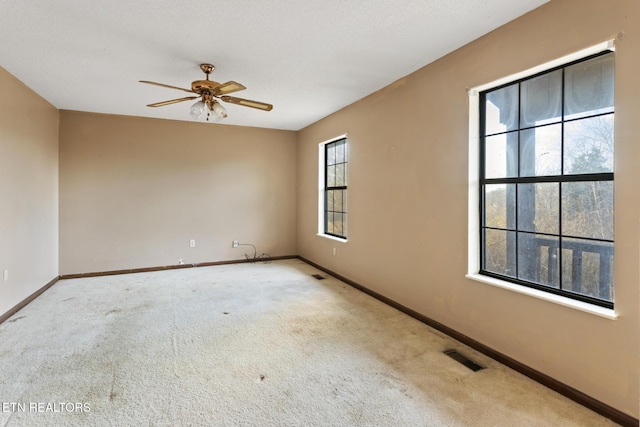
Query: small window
(546, 180)
(334, 206)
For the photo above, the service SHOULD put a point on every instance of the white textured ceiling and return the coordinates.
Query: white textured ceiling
(308, 58)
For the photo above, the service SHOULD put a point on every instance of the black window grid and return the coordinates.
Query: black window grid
(561, 178)
(335, 214)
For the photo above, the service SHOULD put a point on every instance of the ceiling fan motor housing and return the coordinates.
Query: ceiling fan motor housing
(200, 86)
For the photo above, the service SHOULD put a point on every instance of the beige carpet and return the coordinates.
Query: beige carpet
(248, 345)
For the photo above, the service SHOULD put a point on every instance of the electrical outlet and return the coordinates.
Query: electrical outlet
(192, 243)
(334, 251)
(5, 276)
(235, 244)
(180, 261)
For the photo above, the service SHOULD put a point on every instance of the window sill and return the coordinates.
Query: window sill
(557, 299)
(338, 239)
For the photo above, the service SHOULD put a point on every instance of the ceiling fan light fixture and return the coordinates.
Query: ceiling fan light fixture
(215, 111)
(197, 110)
(218, 110)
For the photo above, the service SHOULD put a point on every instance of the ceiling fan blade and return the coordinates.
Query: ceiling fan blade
(173, 101)
(164, 85)
(228, 87)
(247, 103)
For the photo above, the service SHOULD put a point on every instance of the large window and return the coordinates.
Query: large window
(335, 188)
(546, 180)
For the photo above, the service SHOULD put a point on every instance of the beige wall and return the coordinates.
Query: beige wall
(134, 191)
(28, 191)
(408, 201)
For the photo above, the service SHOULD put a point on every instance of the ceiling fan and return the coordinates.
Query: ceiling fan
(209, 93)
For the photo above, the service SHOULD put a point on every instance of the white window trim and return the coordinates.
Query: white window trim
(321, 172)
(473, 256)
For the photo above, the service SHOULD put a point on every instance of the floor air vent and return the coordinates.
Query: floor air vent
(317, 276)
(460, 358)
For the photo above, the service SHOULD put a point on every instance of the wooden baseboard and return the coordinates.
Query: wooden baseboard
(564, 389)
(173, 267)
(27, 300)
